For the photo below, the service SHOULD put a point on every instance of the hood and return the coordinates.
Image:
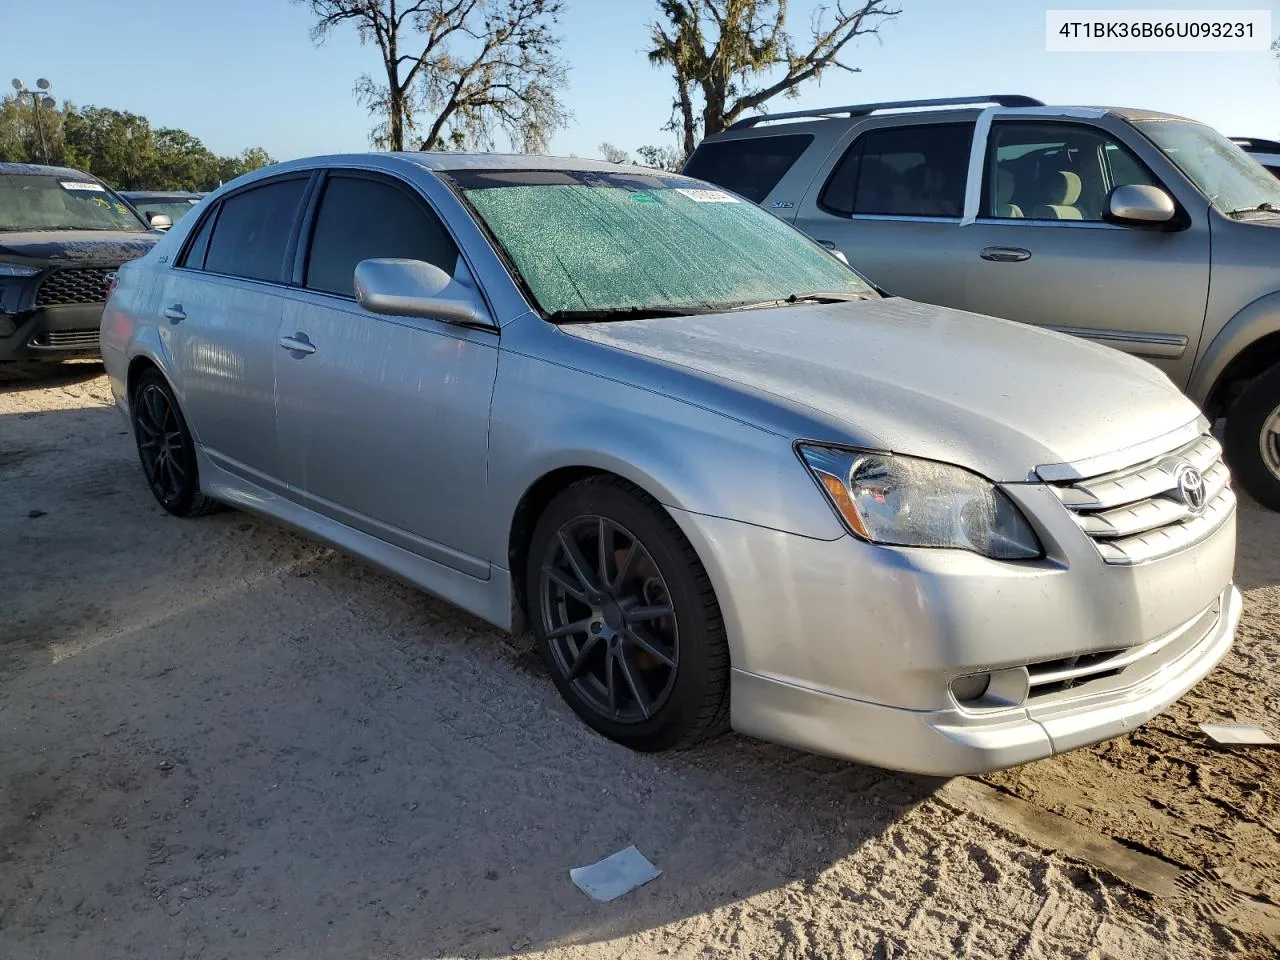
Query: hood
(998, 397)
(78, 247)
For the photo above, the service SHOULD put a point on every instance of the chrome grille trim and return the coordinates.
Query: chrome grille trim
(1136, 514)
(1051, 677)
(74, 285)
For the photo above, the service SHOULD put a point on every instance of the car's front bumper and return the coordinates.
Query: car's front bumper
(951, 741)
(51, 333)
(845, 648)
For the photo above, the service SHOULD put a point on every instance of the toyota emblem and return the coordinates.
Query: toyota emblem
(1190, 486)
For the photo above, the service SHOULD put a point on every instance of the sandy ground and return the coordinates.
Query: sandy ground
(218, 739)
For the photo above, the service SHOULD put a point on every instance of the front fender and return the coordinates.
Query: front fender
(1251, 323)
(546, 418)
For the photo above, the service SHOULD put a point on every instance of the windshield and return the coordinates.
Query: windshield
(1231, 179)
(173, 209)
(39, 202)
(589, 242)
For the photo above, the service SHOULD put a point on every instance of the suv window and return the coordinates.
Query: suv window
(361, 218)
(751, 167)
(1055, 171)
(916, 171)
(253, 231)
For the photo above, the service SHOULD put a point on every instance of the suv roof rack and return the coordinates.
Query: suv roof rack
(1256, 144)
(862, 109)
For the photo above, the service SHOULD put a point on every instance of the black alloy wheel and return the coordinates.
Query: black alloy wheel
(166, 449)
(627, 621)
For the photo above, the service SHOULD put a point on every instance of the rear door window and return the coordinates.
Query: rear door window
(252, 235)
(194, 257)
(751, 167)
(361, 219)
(915, 171)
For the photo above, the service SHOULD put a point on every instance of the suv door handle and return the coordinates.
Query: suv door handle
(829, 244)
(174, 313)
(298, 345)
(1005, 254)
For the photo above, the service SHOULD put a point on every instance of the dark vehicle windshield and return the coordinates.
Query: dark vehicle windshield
(603, 245)
(175, 210)
(47, 202)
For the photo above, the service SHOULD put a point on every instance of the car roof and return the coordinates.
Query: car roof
(512, 161)
(37, 169)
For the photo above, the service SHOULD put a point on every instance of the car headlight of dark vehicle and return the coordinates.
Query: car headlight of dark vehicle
(17, 270)
(909, 502)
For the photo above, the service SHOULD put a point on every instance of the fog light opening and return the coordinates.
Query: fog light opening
(971, 688)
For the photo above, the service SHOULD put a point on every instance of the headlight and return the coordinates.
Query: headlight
(17, 270)
(908, 502)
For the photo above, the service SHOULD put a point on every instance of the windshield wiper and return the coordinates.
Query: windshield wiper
(622, 313)
(821, 296)
(1264, 207)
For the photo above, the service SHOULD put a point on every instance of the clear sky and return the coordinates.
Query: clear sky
(239, 73)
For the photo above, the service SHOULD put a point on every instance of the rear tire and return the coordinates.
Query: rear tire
(648, 679)
(166, 448)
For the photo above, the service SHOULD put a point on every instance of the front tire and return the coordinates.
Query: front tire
(1253, 438)
(626, 618)
(166, 449)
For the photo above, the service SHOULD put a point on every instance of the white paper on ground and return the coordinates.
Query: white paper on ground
(1237, 733)
(614, 875)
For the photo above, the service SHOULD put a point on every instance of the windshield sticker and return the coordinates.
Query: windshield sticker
(706, 196)
(81, 185)
(644, 198)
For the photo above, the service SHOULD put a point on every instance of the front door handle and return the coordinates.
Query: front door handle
(174, 313)
(298, 345)
(1005, 254)
(829, 244)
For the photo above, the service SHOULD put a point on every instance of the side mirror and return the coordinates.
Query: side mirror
(1139, 205)
(159, 221)
(839, 255)
(414, 288)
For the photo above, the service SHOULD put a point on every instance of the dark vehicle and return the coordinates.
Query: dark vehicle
(173, 204)
(1266, 152)
(63, 233)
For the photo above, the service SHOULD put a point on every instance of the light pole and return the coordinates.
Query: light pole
(39, 97)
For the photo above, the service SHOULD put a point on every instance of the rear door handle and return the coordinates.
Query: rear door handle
(298, 345)
(1005, 254)
(174, 313)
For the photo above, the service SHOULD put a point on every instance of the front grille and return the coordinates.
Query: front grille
(1139, 513)
(64, 339)
(78, 285)
(1052, 677)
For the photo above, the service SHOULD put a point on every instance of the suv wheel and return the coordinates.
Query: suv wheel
(1253, 438)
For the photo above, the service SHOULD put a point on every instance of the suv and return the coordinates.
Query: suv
(1139, 230)
(63, 233)
(1266, 152)
(170, 204)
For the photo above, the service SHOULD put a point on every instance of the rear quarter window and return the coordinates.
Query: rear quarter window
(751, 167)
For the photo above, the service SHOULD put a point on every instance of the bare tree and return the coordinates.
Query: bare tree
(663, 158)
(737, 55)
(473, 66)
(611, 154)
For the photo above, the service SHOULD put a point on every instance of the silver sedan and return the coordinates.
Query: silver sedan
(722, 478)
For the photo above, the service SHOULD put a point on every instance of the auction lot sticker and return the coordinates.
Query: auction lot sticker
(706, 196)
(1150, 31)
(82, 185)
